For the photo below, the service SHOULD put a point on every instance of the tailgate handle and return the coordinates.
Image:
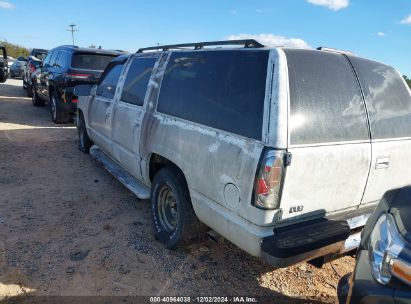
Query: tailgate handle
(382, 163)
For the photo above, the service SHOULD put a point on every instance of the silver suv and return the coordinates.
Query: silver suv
(283, 152)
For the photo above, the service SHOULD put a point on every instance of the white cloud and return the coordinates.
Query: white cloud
(233, 12)
(271, 40)
(334, 5)
(406, 20)
(6, 5)
(381, 34)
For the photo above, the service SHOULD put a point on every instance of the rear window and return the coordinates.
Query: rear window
(325, 100)
(96, 62)
(221, 89)
(387, 98)
(36, 63)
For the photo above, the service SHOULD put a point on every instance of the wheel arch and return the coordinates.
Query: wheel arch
(158, 162)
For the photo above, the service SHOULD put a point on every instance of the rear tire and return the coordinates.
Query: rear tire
(84, 142)
(37, 102)
(29, 90)
(57, 114)
(174, 219)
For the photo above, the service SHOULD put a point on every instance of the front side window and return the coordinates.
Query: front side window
(47, 59)
(53, 58)
(138, 76)
(108, 82)
(63, 59)
(326, 105)
(387, 97)
(220, 89)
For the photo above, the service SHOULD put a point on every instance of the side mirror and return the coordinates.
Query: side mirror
(83, 90)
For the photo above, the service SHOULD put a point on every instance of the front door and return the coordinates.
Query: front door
(128, 113)
(101, 106)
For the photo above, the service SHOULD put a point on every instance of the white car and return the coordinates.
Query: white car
(283, 152)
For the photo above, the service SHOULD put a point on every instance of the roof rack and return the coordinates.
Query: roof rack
(69, 46)
(248, 43)
(332, 50)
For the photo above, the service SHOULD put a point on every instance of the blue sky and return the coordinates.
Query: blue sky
(376, 29)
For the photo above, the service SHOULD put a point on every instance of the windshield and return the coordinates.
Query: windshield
(91, 61)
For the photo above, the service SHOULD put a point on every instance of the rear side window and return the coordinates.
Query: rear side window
(387, 98)
(221, 89)
(325, 100)
(108, 83)
(138, 76)
(96, 62)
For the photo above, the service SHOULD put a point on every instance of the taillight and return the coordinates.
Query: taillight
(78, 75)
(269, 178)
(32, 67)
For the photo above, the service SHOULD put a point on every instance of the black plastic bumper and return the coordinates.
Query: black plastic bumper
(66, 99)
(364, 289)
(304, 242)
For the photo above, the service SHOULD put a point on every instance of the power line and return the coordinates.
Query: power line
(72, 30)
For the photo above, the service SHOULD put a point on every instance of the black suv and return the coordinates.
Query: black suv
(383, 270)
(63, 68)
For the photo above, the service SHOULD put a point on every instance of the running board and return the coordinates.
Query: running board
(135, 186)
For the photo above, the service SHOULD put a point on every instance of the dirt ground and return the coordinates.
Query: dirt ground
(67, 227)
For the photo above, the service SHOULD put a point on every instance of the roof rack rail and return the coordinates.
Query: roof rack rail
(69, 46)
(248, 43)
(332, 50)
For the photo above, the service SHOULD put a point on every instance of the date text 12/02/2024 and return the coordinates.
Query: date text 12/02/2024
(237, 299)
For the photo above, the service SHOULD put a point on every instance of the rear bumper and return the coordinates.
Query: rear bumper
(305, 241)
(66, 101)
(263, 241)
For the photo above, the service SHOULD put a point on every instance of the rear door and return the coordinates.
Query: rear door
(389, 108)
(328, 136)
(129, 111)
(101, 106)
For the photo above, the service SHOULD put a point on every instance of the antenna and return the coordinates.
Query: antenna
(72, 30)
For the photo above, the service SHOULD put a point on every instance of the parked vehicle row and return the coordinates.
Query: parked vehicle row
(63, 68)
(283, 152)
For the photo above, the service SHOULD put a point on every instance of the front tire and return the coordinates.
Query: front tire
(29, 89)
(85, 142)
(57, 114)
(173, 216)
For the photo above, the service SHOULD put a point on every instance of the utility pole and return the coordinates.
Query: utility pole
(72, 30)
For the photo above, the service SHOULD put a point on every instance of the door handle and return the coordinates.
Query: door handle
(382, 162)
